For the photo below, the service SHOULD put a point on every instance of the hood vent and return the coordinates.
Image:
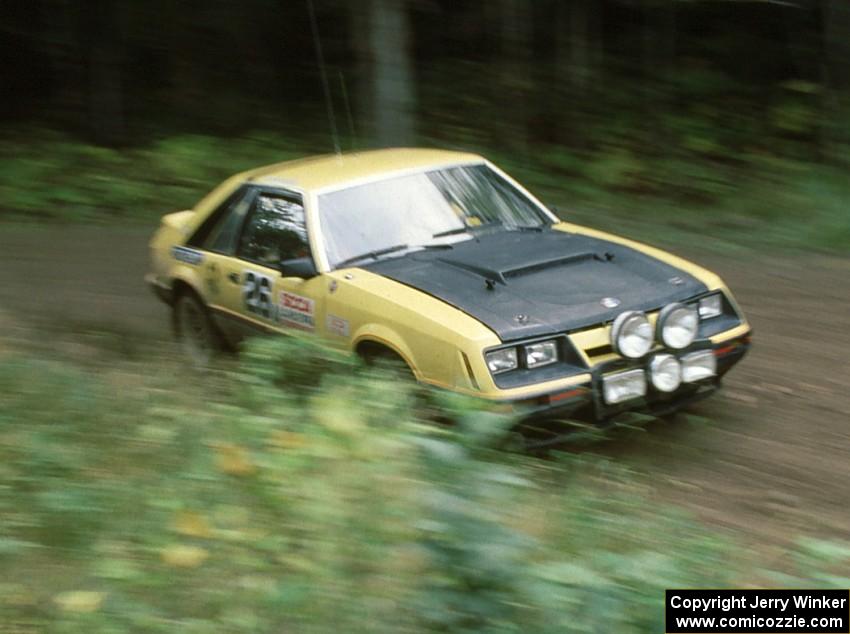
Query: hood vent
(549, 263)
(502, 276)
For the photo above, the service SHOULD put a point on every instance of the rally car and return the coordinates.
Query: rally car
(444, 262)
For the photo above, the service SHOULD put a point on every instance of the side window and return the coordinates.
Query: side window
(220, 231)
(275, 231)
(223, 237)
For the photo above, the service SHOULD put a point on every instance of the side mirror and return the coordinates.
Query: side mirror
(299, 267)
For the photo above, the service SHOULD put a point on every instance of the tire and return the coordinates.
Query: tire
(194, 330)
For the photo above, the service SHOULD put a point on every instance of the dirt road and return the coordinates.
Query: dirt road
(772, 462)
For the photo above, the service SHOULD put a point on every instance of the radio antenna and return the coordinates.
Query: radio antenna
(321, 59)
(351, 133)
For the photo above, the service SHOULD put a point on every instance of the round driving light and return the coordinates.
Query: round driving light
(665, 372)
(631, 334)
(678, 325)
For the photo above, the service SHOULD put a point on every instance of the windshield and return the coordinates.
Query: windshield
(418, 210)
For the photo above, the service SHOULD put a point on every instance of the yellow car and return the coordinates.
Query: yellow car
(443, 261)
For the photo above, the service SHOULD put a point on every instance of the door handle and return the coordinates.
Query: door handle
(233, 277)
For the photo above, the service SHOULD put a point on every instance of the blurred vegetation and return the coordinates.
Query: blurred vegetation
(768, 202)
(259, 500)
(662, 119)
(131, 503)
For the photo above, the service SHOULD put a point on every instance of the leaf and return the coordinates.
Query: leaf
(116, 569)
(825, 549)
(801, 86)
(182, 556)
(571, 574)
(192, 524)
(286, 440)
(336, 414)
(234, 460)
(12, 546)
(80, 601)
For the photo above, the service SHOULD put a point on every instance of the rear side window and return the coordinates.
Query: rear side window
(275, 231)
(224, 235)
(220, 232)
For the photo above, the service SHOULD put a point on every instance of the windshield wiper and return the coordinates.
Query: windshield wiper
(464, 229)
(371, 254)
(379, 252)
(451, 232)
(535, 228)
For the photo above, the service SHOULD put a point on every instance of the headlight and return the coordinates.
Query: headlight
(665, 372)
(678, 325)
(711, 306)
(631, 334)
(501, 360)
(540, 354)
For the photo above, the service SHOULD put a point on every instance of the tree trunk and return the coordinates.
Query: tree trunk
(836, 73)
(66, 64)
(579, 48)
(392, 73)
(578, 67)
(836, 16)
(361, 85)
(106, 99)
(516, 80)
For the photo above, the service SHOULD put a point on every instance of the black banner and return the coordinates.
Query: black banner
(744, 611)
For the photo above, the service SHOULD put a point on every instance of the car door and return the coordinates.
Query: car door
(218, 238)
(270, 282)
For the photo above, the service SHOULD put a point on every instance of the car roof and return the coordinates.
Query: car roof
(338, 170)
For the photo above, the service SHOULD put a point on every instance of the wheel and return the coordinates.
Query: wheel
(194, 329)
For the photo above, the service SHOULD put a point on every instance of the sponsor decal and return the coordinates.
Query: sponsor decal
(337, 325)
(297, 310)
(187, 255)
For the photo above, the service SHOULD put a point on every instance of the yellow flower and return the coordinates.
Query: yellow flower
(80, 601)
(234, 460)
(286, 440)
(192, 524)
(181, 556)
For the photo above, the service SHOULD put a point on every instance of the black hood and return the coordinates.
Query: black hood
(524, 284)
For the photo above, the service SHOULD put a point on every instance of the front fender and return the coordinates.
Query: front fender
(388, 337)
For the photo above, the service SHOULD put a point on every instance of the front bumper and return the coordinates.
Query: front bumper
(585, 403)
(161, 290)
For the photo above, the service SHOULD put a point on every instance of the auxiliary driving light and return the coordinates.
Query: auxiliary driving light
(665, 372)
(631, 334)
(711, 306)
(698, 365)
(623, 386)
(678, 325)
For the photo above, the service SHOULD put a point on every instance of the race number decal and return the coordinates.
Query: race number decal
(257, 294)
(297, 311)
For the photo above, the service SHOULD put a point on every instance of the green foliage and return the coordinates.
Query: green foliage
(299, 493)
(47, 176)
(689, 173)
